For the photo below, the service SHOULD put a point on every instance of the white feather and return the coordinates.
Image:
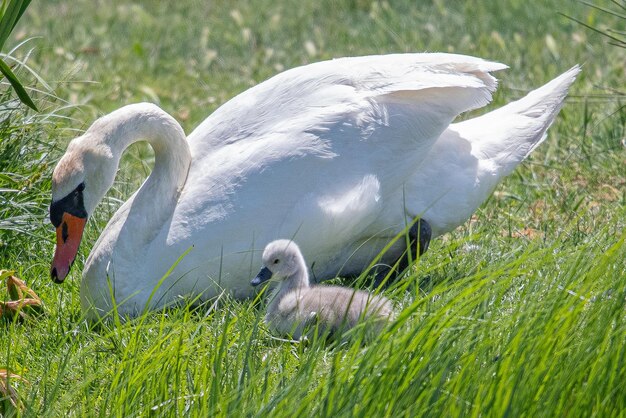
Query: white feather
(336, 155)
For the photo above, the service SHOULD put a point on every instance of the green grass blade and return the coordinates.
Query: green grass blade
(605, 10)
(23, 8)
(17, 86)
(618, 41)
(15, 9)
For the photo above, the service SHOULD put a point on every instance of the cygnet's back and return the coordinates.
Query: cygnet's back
(296, 307)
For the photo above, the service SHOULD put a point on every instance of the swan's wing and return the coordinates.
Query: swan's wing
(314, 153)
(429, 90)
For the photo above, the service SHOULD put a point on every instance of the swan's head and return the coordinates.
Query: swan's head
(79, 181)
(281, 259)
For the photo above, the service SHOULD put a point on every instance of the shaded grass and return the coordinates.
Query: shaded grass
(520, 311)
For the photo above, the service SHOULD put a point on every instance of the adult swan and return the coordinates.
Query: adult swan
(338, 155)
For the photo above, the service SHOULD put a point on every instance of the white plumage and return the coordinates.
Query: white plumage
(339, 155)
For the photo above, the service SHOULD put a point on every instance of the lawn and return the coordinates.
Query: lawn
(520, 311)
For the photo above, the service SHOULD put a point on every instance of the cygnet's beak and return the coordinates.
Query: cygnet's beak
(264, 275)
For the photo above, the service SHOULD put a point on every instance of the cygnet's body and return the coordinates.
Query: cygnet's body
(296, 307)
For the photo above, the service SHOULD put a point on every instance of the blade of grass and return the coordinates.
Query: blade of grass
(17, 86)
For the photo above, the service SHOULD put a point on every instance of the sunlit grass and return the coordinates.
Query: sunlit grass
(520, 311)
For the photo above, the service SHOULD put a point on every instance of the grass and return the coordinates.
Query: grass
(520, 311)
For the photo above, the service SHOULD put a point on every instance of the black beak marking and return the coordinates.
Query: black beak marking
(55, 276)
(264, 275)
(64, 233)
(73, 204)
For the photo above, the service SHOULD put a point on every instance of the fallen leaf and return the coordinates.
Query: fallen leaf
(609, 193)
(525, 233)
(22, 299)
(9, 398)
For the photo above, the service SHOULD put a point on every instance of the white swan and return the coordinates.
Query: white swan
(339, 155)
(296, 308)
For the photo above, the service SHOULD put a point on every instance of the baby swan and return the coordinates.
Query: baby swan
(297, 309)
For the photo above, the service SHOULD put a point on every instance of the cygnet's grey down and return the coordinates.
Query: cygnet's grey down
(297, 309)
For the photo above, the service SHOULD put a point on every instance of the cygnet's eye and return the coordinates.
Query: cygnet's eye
(276, 261)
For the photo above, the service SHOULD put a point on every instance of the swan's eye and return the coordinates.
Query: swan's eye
(276, 261)
(79, 189)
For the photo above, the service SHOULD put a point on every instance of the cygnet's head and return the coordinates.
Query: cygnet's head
(281, 259)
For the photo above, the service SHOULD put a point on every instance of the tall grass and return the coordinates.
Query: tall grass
(540, 333)
(24, 175)
(10, 13)
(518, 312)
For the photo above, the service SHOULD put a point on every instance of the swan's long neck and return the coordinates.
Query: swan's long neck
(296, 282)
(156, 199)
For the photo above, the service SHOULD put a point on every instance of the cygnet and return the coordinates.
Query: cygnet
(298, 309)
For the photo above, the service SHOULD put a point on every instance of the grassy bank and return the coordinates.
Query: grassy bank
(518, 312)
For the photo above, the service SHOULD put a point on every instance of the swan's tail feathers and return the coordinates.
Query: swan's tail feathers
(544, 103)
(507, 135)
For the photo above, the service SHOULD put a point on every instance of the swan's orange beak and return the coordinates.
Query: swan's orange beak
(69, 234)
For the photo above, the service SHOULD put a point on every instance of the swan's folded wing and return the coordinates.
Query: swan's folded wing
(422, 91)
(328, 143)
